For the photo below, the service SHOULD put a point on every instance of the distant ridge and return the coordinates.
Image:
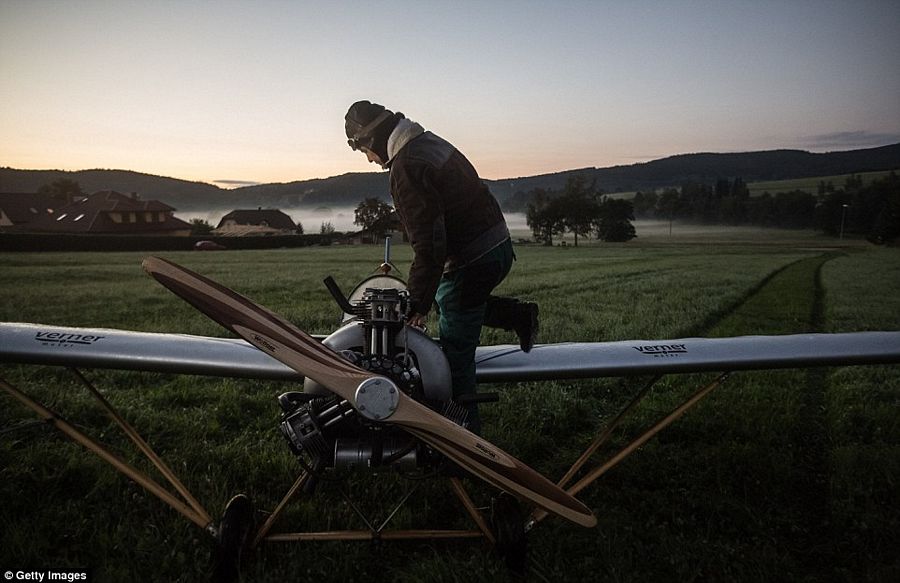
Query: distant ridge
(349, 189)
(708, 167)
(343, 190)
(175, 192)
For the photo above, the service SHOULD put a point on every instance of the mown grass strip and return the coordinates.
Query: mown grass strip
(737, 489)
(862, 405)
(792, 302)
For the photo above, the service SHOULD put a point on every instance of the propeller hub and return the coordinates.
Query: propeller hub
(377, 398)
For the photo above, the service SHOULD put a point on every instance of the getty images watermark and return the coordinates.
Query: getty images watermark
(81, 575)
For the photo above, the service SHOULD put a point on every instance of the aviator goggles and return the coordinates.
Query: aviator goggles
(355, 144)
(358, 141)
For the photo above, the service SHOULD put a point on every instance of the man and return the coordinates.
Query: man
(461, 244)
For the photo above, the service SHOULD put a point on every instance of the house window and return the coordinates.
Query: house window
(132, 217)
(116, 217)
(162, 217)
(148, 217)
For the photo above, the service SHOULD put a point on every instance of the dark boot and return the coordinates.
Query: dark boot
(511, 314)
(526, 325)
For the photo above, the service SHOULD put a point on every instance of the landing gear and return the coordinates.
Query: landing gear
(508, 526)
(234, 530)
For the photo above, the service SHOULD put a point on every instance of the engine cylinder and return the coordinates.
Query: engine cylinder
(431, 363)
(355, 454)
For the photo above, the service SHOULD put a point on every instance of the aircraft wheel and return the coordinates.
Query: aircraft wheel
(234, 530)
(508, 524)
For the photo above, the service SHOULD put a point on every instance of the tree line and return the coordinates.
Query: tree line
(580, 209)
(871, 211)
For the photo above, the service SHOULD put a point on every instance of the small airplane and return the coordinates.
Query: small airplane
(377, 397)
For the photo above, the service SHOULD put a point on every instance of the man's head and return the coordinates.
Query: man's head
(368, 126)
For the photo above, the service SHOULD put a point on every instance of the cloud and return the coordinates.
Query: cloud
(858, 139)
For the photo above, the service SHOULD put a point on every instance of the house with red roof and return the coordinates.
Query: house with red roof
(112, 213)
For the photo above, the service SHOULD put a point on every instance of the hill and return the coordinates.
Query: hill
(181, 194)
(349, 189)
(708, 167)
(344, 190)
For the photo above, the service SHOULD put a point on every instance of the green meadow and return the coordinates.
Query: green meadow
(777, 476)
(811, 185)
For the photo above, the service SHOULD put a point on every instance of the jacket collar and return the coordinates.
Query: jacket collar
(404, 133)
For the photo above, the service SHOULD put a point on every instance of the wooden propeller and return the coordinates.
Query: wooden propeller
(373, 396)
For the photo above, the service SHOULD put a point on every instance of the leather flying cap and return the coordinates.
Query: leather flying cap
(362, 121)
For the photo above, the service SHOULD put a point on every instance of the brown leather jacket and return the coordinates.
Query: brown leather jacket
(450, 215)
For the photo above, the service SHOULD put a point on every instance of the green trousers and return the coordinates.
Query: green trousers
(462, 297)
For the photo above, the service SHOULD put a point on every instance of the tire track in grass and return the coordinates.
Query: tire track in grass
(718, 318)
(734, 491)
(863, 293)
(790, 416)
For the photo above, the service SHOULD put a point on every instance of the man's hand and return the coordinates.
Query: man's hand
(417, 321)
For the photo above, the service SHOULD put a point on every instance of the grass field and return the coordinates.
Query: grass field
(778, 476)
(810, 185)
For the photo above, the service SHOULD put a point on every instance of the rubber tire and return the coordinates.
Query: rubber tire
(508, 525)
(234, 529)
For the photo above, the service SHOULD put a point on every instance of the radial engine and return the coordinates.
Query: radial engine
(325, 432)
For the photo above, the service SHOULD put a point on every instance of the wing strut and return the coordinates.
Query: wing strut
(606, 433)
(192, 510)
(539, 514)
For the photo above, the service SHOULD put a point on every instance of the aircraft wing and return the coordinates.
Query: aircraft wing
(639, 357)
(185, 354)
(145, 351)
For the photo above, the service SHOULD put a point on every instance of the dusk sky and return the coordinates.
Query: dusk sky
(257, 91)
